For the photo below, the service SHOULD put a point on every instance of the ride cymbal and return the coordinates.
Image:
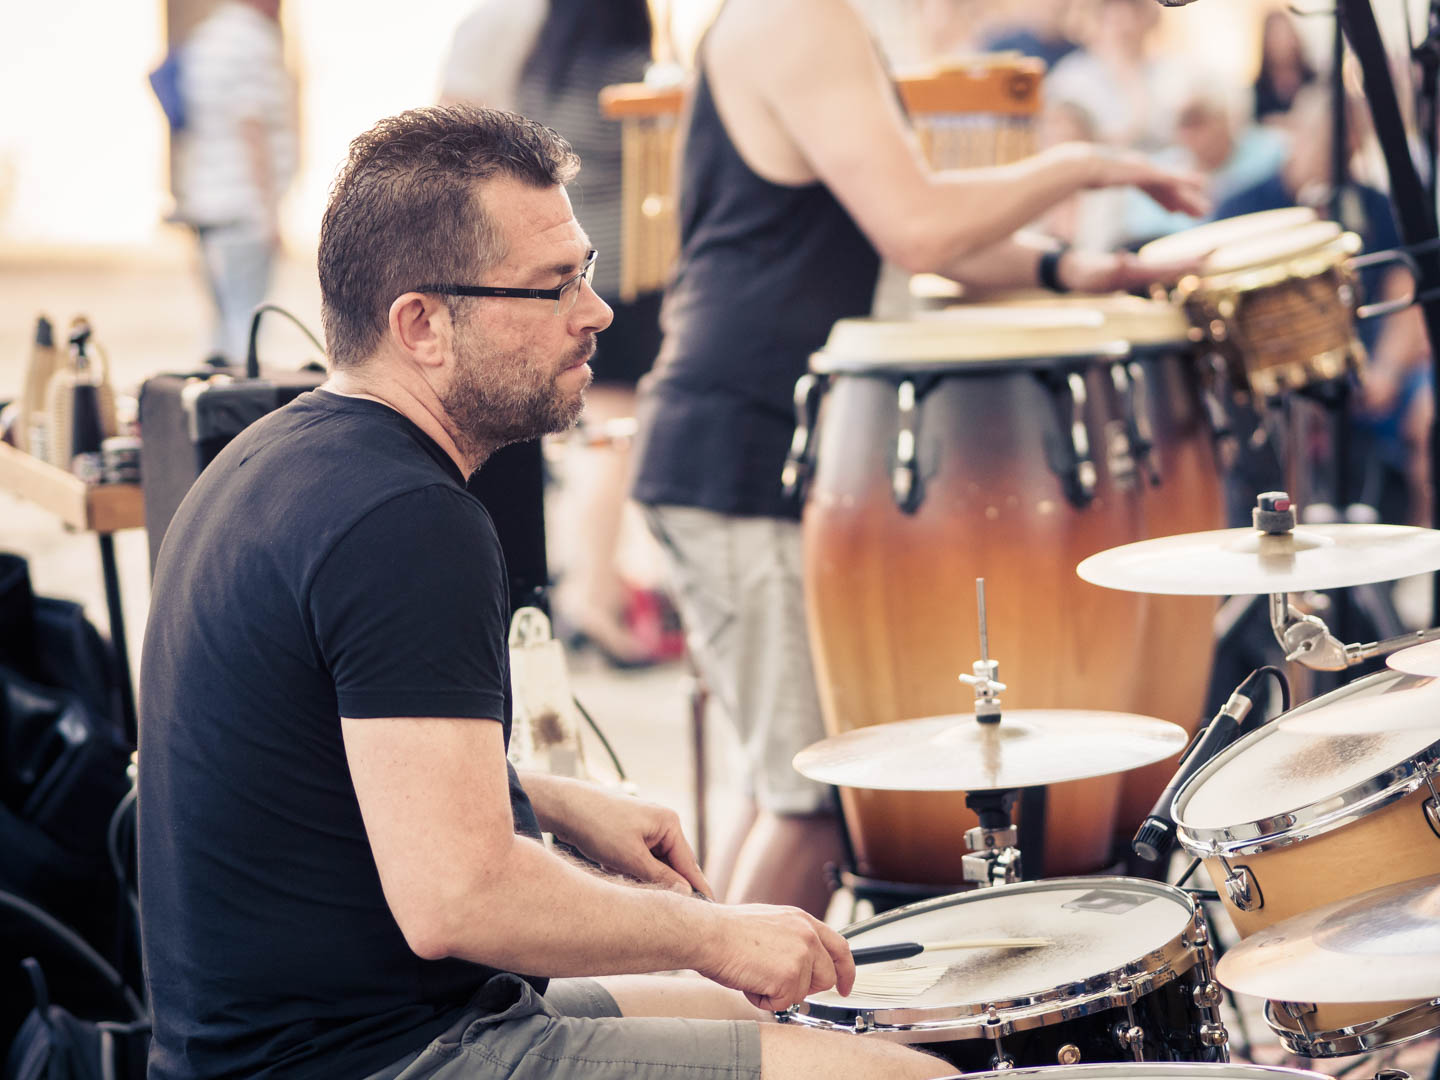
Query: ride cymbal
(1230, 562)
(957, 753)
(1383, 945)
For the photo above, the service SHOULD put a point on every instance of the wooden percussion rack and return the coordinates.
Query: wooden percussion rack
(967, 112)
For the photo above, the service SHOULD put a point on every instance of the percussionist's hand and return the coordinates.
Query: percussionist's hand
(1117, 271)
(1104, 166)
(776, 956)
(629, 836)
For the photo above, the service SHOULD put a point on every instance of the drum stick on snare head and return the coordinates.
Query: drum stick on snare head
(903, 950)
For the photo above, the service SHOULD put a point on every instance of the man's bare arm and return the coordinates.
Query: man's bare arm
(434, 795)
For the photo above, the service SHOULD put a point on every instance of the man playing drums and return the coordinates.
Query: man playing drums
(799, 174)
(339, 874)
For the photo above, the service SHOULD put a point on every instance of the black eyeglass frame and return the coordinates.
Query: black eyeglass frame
(587, 271)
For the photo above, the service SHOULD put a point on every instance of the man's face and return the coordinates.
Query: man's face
(520, 368)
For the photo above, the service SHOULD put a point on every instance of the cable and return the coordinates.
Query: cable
(1271, 669)
(1186, 876)
(252, 355)
(78, 945)
(614, 759)
(123, 818)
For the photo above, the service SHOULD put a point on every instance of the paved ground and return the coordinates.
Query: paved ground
(150, 313)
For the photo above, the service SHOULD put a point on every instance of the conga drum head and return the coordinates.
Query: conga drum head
(1193, 244)
(972, 338)
(1281, 248)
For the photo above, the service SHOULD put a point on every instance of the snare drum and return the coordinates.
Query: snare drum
(1129, 977)
(1277, 306)
(1006, 442)
(1289, 819)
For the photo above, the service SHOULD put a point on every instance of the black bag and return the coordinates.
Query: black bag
(53, 1044)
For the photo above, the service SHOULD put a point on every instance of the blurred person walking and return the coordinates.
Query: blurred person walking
(549, 61)
(235, 156)
(1285, 70)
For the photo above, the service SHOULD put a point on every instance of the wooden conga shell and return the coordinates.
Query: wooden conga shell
(892, 605)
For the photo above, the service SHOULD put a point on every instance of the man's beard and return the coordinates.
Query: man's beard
(500, 398)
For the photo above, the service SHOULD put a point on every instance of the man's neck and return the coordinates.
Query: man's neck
(422, 410)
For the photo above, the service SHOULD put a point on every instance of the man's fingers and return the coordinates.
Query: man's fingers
(842, 962)
(676, 850)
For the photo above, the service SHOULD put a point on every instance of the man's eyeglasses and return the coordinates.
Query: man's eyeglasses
(564, 296)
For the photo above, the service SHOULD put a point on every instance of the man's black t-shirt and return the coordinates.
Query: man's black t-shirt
(328, 563)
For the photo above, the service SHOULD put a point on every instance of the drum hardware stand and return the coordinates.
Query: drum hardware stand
(995, 857)
(1305, 638)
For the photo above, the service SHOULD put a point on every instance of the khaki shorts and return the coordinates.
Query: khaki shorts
(576, 1030)
(740, 593)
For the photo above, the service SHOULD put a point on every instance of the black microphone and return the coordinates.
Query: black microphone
(1156, 837)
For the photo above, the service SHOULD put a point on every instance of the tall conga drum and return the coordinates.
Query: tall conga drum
(976, 443)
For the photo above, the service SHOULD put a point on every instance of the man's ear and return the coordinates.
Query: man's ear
(421, 328)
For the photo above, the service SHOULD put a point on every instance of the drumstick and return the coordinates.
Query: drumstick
(903, 950)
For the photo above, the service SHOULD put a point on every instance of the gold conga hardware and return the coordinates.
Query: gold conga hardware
(1142, 435)
(1069, 1054)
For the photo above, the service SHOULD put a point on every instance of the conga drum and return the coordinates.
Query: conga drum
(979, 443)
(1275, 303)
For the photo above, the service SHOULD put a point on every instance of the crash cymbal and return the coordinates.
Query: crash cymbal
(1228, 562)
(1383, 945)
(1417, 660)
(958, 753)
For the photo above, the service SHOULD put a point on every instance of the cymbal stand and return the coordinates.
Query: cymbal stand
(995, 854)
(1306, 639)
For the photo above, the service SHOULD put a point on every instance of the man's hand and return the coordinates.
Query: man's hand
(776, 956)
(626, 835)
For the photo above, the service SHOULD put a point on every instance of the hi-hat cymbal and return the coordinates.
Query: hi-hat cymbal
(958, 753)
(1229, 562)
(1383, 945)
(1417, 660)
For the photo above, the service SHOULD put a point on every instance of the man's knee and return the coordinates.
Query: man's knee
(787, 1051)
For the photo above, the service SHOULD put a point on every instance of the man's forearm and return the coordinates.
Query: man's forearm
(537, 914)
(548, 798)
(1010, 264)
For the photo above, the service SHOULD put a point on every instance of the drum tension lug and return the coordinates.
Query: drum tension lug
(1241, 887)
(1432, 804)
(800, 461)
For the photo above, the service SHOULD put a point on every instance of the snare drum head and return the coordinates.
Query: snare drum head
(1097, 924)
(1271, 248)
(1195, 243)
(1309, 774)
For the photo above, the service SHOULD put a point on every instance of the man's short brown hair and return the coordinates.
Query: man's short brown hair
(405, 210)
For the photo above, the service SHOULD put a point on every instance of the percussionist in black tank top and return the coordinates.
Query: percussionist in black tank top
(799, 173)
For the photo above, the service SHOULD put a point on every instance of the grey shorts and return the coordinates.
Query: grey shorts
(741, 595)
(576, 1030)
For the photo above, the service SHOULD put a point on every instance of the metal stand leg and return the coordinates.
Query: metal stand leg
(699, 698)
(117, 635)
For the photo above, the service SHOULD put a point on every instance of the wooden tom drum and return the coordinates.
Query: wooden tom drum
(1289, 819)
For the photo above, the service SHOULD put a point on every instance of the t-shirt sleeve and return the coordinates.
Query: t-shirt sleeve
(409, 610)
